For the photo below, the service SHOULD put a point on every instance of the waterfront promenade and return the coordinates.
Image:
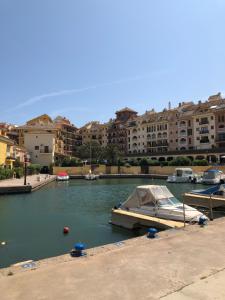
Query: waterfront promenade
(181, 264)
(16, 185)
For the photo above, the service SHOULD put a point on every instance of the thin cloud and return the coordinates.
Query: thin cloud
(42, 97)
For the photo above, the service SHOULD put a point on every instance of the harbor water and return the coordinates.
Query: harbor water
(32, 224)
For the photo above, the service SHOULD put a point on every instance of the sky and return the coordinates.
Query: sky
(85, 59)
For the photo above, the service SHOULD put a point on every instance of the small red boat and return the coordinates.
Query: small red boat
(62, 176)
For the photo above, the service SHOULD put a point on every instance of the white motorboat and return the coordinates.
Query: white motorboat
(91, 176)
(213, 177)
(157, 201)
(62, 176)
(183, 175)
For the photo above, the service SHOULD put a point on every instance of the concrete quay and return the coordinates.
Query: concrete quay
(184, 264)
(109, 176)
(34, 182)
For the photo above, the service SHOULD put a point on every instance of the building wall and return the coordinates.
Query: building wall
(37, 143)
(204, 131)
(3, 147)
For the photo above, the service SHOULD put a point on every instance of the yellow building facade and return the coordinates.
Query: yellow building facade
(6, 152)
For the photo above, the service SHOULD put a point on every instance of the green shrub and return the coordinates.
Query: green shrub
(134, 162)
(144, 162)
(6, 173)
(153, 163)
(164, 163)
(33, 169)
(180, 161)
(19, 172)
(202, 162)
(121, 163)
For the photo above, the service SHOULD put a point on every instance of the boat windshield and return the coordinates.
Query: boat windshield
(168, 202)
(181, 172)
(210, 175)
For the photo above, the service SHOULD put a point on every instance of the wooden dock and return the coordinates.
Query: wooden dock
(203, 200)
(131, 220)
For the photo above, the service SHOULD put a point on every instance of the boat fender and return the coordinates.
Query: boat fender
(66, 230)
(152, 233)
(202, 221)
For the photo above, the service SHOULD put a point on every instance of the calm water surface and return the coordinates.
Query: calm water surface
(32, 224)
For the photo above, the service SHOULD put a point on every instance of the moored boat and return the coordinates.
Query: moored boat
(62, 176)
(91, 176)
(213, 176)
(157, 201)
(184, 175)
(218, 190)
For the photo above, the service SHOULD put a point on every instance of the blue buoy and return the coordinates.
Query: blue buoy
(202, 221)
(78, 250)
(152, 233)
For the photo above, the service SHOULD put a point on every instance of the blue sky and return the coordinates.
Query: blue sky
(84, 59)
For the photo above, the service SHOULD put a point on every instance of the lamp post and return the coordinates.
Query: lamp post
(25, 169)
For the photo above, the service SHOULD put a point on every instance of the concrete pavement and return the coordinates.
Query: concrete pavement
(180, 264)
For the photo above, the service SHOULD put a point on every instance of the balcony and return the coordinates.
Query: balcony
(204, 141)
(204, 131)
(205, 122)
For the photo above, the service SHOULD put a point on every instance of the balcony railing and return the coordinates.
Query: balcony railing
(204, 131)
(203, 122)
(204, 141)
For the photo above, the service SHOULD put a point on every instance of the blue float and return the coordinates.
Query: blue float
(78, 250)
(152, 233)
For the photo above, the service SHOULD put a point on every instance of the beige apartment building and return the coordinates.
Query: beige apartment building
(94, 131)
(42, 140)
(220, 125)
(188, 128)
(69, 136)
(117, 129)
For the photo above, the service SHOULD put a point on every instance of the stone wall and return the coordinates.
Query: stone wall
(102, 169)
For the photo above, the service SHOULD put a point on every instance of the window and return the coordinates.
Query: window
(211, 117)
(189, 131)
(36, 147)
(212, 136)
(46, 149)
(212, 127)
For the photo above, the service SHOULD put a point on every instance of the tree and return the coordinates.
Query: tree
(112, 154)
(92, 149)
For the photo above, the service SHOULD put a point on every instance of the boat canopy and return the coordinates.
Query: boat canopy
(181, 171)
(213, 171)
(145, 194)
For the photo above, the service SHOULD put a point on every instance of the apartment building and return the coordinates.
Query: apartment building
(42, 140)
(117, 128)
(188, 127)
(69, 136)
(94, 131)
